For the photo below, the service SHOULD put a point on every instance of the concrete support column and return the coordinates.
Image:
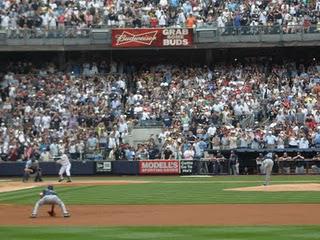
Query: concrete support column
(61, 61)
(208, 57)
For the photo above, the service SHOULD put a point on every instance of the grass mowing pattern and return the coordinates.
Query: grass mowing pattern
(163, 233)
(173, 190)
(168, 190)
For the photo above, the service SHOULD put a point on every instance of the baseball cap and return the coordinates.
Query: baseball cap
(50, 187)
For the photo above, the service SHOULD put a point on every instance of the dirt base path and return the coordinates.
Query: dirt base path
(150, 215)
(14, 186)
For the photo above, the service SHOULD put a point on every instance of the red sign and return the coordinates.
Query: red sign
(151, 37)
(159, 167)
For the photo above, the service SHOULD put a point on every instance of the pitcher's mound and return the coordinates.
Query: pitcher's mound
(280, 188)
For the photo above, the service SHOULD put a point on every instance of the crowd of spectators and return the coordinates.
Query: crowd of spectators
(92, 108)
(74, 18)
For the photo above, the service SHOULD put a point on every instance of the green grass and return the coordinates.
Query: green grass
(174, 190)
(168, 190)
(163, 233)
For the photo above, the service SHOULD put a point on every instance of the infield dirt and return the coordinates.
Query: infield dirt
(165, 215)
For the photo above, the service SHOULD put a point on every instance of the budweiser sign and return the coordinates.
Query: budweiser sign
(142, 38)
(158, 37)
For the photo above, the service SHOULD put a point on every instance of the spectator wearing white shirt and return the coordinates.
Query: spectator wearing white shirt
(211, 132)
(163, 3)
(45, 121)
(280, 141)
(293, 142)
(188, 154)
(162, 19)
(54, 149)
(122, 128)
(5, 20)
(74, 155)
(270, 140)
(303, 143)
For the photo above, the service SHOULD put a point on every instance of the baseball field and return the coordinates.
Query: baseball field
(170, 208)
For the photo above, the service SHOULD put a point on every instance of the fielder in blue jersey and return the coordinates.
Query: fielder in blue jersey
(50, 197)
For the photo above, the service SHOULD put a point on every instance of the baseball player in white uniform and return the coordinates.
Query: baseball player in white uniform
(267, 165)
(65, 167)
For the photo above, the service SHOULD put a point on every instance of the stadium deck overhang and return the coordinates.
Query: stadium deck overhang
(107, 47)
(202, 39)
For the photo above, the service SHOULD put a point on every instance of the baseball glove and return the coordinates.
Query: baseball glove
(51, 214)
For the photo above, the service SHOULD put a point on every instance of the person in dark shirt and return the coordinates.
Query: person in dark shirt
(233, 164)
(285, 163)
(299, 163)
(167, 120)
(32, 168)
(316, 163)
(167, 153)
(154, 152)
(220, 162)
(259, 160)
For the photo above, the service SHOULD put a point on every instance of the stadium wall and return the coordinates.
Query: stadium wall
(247, 165)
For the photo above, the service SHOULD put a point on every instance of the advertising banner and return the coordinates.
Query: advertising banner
(186, 167)
(103, 167)
(159, 167)
(151, 37)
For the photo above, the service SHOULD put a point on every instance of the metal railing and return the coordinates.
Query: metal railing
(37, 33)
(202, 34)
(73, 31)
(253, 30)
(259, 34)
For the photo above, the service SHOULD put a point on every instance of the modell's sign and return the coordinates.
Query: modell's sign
(151, 37)
(159, 167)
